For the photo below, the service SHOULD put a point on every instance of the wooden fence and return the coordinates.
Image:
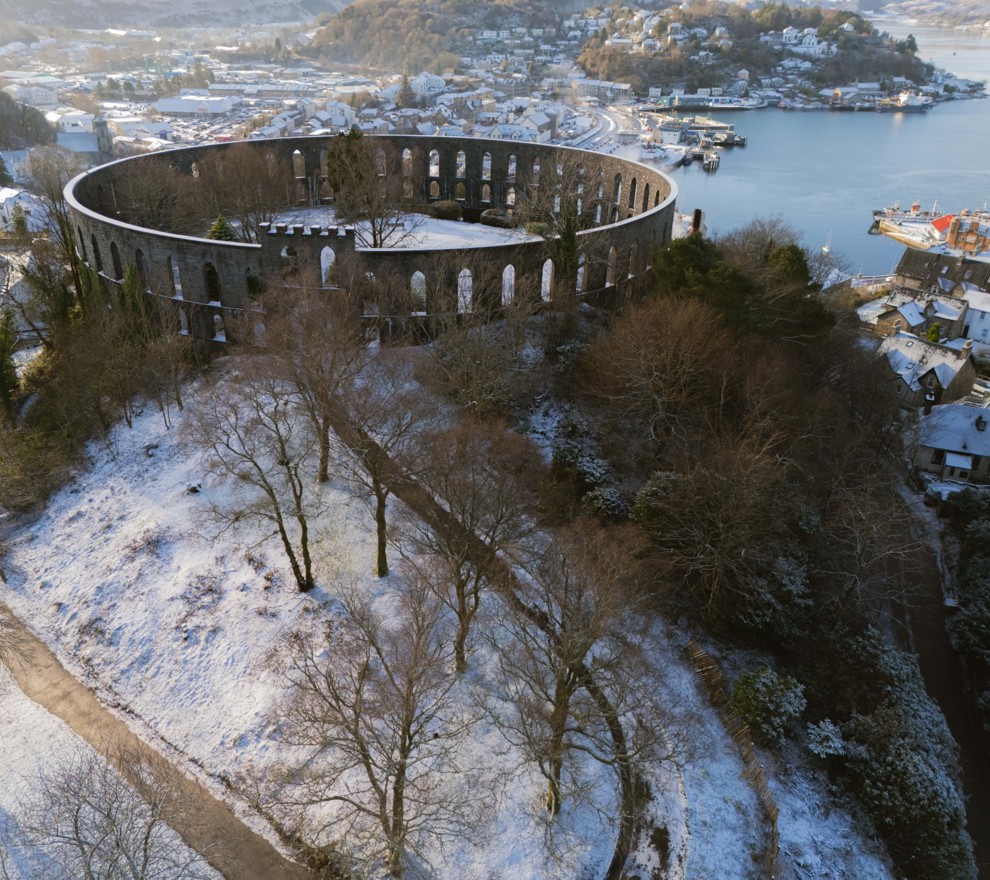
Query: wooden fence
(711, 678)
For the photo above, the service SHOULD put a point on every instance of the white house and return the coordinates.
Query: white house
(954, 443)
(977, 325)
(33, 209)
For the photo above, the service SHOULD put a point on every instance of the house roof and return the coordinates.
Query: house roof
(942, 223)
(953, 427)
(912, 358)
(978, 299)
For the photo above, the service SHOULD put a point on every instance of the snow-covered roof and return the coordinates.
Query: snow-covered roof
(911, 358)
(976, 297)
(954, 427)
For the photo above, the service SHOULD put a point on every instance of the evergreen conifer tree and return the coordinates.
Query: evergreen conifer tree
(5, 178)
(18, 225)
(8, 373)
(406, 96)
(221, 230)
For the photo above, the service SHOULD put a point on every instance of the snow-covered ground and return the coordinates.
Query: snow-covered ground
(417, 230)
(127, 577)
(36, 742)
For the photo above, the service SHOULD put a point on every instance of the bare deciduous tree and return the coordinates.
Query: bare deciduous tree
(368, 191)
(371, 700)
(315, 338)
(482, 474)
(378, 420)
(246, 183)
(147, 193)
(581, 588)
(253, 430)
(85, 821)
(660, 367)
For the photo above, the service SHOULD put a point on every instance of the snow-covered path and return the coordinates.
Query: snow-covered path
(208, 825)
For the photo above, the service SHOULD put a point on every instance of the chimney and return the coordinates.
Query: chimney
(696, 221)
(967, 349)
(895, 328)
(929, 401)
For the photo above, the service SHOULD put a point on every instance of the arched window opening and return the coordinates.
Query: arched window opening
(324, 165)
(211, 281)
(118, 269)
(252, 284)
(486, 192)
(461, 164)
(142, 269)
(219, 328)
(556, 204)
(617, 190)
(194, 169)
(536, 170)
(183, 322)
(510, 196)
(646, 197)
(460, 191)
(582, 272)
(486, 166)
(290, 262)
(407, 162)
(610, 271)
(546, 281)
(656, 199)
(511, 173)
(96, 253)
(633, 258)
(380, 161)
(327, 260)
(298, 164)
(508, 285)
(82, 245)
(434, 189)
(632, 194)
(173, 269)
(417, 291)
(434, 163)
(464, 292)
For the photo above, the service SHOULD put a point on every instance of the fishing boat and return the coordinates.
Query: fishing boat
(905, 102)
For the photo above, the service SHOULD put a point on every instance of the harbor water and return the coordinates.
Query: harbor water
(825, 172)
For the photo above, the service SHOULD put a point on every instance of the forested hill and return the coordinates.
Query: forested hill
(21, 125)
(415, 35)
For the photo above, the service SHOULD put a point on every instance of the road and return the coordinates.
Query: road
(943, 681)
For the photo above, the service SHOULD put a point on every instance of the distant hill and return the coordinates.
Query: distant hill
(154, 13)
(947, 12)
(414, 35)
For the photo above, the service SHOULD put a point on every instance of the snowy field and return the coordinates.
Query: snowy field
(129, 580)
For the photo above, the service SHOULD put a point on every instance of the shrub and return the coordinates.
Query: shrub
(769, 703)
(447, 210)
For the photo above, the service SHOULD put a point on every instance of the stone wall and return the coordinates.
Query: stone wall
(626, 212)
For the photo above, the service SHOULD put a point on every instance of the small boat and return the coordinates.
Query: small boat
(827, 247)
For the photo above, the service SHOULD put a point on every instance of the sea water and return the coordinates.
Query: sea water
(825, 172)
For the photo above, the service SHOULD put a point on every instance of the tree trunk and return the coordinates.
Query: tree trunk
(323, 470)
(381, 498)
(555, 748)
